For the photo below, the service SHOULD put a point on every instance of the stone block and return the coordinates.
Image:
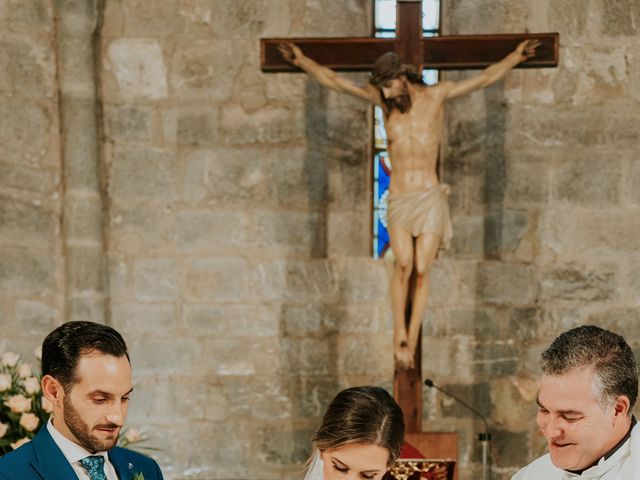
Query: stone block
(141, 21)
(198, 397)
(231, 176)
(575, 182)
(165, 355)
(128, 123)
(363, 279)
(361, 354)
(620, 18)
(135, 229)
(478, 395)
(85, 269)
(506, 283)
(348, 232)
(527, 179)
(294, 280)
(311, 395)
(193, 230)
(502, 230)
(135, 320)
(218, 278)
(139, 68)
(270, 124)
(191, 126)
(523, 323)
(623, 321)
(495, 359)
(468, 236)
(27, 67)
(579, 283)
(481, 324)
(568, 16)
(156, 279)
(144, 173)
(83, 219)
(590, 232)
(28, 179)
(508, 406)
(303, 320)
(23, 223)
(631, 181)
(298, 231)
(575, 129)
(195, 70)
(449, 357)
(76, 59)
(511, 448)
(284, 445)
(232, 320)
(35, 317)
(25, 131)
(84, 308)
(298, 178)
(27, 271)
(33, 15)
(307, 356)
(267, 357)
(80, 143)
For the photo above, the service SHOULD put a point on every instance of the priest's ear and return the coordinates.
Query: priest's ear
(53, 390)
(621, 406)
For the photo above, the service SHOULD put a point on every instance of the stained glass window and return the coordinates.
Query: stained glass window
(385, 25)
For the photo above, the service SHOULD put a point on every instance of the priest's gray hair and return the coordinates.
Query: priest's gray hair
(611, 357)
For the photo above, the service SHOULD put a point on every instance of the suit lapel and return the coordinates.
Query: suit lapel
(124, 469)
(48, 460)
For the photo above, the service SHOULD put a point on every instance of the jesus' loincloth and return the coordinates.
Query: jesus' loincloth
(422, 212)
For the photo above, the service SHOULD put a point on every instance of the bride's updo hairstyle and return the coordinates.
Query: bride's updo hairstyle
(362, 415)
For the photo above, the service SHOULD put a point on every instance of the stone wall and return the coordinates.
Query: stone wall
(153, 178)
(32, 266)
(546, 220)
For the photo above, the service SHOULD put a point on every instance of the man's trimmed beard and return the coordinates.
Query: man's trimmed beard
(82, 431)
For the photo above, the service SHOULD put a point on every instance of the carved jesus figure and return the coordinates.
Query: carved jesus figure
(418, 211)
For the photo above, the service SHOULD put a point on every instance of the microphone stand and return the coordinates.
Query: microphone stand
(484, 438)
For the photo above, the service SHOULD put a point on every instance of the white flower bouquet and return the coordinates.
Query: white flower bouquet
(23, 408)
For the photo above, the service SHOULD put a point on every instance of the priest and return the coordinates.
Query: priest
(588, 388)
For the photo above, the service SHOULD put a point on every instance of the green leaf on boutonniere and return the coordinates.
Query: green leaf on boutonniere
(138, 476)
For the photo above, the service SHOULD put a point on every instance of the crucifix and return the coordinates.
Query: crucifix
(442, 53)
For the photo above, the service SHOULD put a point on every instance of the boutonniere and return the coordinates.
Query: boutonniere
(138, 476)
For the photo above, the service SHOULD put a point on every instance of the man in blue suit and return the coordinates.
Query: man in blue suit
(87, 378)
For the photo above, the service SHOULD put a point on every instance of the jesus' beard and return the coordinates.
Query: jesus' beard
(401, 102)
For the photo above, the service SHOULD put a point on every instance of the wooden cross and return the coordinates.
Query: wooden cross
(452, 52)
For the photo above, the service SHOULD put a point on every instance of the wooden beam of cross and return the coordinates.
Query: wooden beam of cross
(453, 52)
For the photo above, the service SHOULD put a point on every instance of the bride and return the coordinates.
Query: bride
(360, 437)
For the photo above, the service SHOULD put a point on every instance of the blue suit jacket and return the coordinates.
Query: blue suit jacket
(41, 459)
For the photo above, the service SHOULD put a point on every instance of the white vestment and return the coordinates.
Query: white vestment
(315, 469)
(624, 464)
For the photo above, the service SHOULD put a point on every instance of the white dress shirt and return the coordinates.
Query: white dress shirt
(74, 453)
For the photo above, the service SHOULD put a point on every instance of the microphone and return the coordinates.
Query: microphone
(429, 383)
(483, 438)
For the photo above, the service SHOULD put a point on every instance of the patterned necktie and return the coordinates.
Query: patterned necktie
(94, 465)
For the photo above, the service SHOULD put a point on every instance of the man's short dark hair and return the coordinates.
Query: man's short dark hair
(606, 352)
(63, 347)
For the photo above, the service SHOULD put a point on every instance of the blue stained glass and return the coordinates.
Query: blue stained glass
(385, 23)
(382, 175)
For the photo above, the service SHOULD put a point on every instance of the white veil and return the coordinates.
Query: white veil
(315, 469)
